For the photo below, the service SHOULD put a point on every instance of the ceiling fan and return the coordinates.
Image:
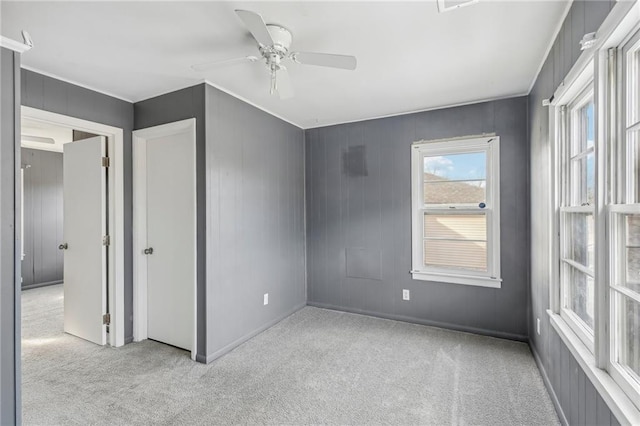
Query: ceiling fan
(274, 42)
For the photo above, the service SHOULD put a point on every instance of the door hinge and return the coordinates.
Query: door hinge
(106, 240)
(106, 162)
(106, 319)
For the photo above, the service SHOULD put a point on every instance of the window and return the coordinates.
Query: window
(595, 265)
(625, 232)
(577, 196)
(456, 213)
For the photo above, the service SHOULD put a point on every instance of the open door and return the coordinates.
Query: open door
(85, 226)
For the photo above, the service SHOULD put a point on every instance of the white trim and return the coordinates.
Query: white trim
(478, 281)
(274, 114)
(14, 45)
(417, 111)
(115, 137)
(570, 98)
(140, 225)
(139, 186)
(489, 144)
(620, 405)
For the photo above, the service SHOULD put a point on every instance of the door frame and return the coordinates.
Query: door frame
(139, 142)
(115, 140)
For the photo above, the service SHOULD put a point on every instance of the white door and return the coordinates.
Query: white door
(169, 246)
(85, 220)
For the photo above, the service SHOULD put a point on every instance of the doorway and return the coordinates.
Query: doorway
(164, 228)
(93, 278)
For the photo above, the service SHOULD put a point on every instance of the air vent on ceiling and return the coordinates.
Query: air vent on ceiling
(447, 5)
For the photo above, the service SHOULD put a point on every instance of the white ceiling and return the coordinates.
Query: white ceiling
(410, 57)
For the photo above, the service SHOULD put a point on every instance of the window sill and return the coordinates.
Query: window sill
(457, 279)
(619, 403)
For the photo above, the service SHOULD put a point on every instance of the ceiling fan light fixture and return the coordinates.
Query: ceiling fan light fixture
(449, 5)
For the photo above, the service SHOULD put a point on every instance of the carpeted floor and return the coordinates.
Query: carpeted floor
(317, 366)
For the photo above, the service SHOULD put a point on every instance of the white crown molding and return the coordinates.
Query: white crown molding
(75, 83)
(11, 44)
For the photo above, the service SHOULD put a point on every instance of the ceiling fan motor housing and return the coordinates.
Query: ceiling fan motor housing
(281, 39)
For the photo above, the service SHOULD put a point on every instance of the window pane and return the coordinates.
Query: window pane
(580, 294)
(584, 130)
(468, 166)
(456, 226)
(581, 238)
(632, 251)
(583, 182)
(446, 192)
(455, 179)
(469, 255)
(633, 141)
(589, 122)
(628, 335)
(634, 82)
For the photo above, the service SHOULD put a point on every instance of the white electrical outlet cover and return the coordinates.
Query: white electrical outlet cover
(266, 298)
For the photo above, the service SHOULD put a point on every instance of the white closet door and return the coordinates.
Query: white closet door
(170, 184)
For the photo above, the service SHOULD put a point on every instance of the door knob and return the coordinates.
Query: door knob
(63, 246)
(148, 250)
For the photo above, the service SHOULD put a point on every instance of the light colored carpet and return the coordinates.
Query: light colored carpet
(315, 367)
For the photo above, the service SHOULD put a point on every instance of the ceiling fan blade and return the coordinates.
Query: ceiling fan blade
(225, 62)
(346, 62)
(283, 84)
(256, 26)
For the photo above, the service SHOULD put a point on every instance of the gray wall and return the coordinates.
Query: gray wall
(369, 217)
(255, 221)
(575, 395)
(250, 199)
(43, 198)
(49, 94)
(176, 106)
(10, 406)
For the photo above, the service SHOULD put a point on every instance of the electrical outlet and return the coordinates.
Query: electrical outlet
(266, 298)
(405, 294)
(538, 325)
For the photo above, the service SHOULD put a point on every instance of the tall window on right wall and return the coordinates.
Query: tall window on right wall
(594, 123)
(624, 232)
(577, 241)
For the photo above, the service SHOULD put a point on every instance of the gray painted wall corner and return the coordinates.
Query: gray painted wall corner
(255, 178)
(575, 394)
(359, 219)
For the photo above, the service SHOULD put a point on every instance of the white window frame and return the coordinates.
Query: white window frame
(491, 146)
(602, 60)
(567, 113)
(623, 203)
